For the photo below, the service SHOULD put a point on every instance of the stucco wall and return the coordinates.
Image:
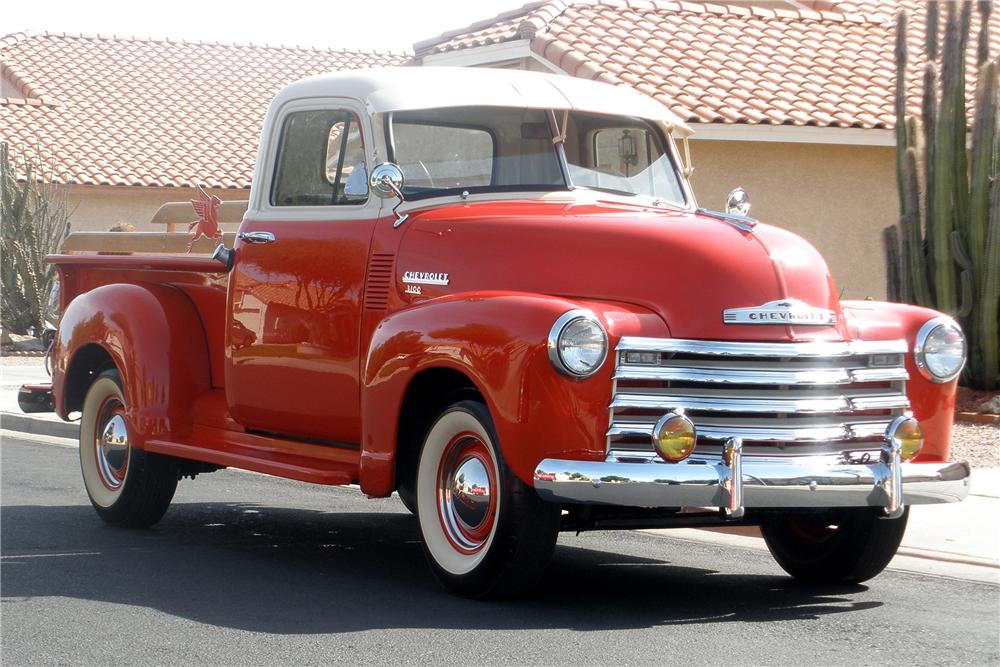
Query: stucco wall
(98, 208)
(839, 198)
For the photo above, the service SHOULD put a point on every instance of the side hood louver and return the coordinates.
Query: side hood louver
(379, 280)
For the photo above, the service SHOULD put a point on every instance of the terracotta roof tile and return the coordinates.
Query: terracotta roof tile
(826, 63)
(115, 111)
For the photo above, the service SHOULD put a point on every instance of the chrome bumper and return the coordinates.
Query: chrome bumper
(758, 482)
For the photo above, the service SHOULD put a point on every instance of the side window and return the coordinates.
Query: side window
(321, 160)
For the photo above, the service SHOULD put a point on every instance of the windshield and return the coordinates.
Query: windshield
(493, 149)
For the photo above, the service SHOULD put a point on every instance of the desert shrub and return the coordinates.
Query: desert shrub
(34, 222)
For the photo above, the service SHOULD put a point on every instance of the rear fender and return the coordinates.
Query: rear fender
(153, 335)
(498, 340)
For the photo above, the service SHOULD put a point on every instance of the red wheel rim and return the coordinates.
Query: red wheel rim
(111, 446)
(467, 493)
(812, 530)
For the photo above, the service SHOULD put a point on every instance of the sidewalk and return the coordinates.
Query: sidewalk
(15, 371)
(958, 540)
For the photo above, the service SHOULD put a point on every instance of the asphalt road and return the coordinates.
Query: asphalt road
(246, 569)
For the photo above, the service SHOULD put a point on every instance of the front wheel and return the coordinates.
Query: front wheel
(844, 546)
(126, 486)
(486, 533)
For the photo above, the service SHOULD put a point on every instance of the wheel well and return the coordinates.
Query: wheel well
(429, 393)
(88, 362)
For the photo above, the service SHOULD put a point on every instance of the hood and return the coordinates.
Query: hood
(685, 267)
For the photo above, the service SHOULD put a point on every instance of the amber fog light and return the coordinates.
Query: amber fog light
(674, 437)
(905, 433)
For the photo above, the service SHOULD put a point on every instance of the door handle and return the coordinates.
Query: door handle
(256, 237)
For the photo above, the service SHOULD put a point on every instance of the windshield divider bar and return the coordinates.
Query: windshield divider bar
(559, 138)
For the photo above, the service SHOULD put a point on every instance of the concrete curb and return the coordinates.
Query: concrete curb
(12, 421)
(977, 418)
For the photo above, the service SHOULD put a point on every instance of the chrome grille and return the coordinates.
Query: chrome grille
(800, 398)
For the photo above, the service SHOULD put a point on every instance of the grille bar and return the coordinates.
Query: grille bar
(781, 350)
(791, 404)
(815, 376)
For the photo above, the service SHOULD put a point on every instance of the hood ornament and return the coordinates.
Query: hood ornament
(738, 202)
(783, 311)
(737, 211)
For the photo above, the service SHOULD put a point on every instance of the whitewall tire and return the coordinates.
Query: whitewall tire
(126, 486)
(486, 533)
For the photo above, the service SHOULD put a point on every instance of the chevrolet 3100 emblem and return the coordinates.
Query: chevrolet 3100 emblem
(425, 278)
(784, 311)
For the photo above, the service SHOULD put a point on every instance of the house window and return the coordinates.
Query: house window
(321, 160)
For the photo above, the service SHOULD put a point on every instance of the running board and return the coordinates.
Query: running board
(291, 459)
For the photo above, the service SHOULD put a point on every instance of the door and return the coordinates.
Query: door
(297, 283)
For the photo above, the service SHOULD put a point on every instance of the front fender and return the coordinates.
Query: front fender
(499, 341)
(155, 337)
(933, 404)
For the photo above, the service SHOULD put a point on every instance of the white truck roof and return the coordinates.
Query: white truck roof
(407, 88)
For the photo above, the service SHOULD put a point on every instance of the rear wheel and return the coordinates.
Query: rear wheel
(845, 546)
(126, 486)
(486, 533)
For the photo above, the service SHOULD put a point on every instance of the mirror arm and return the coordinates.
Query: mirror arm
(386, 180)
(400, 218)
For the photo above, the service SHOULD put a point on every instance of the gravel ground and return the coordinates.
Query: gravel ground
(979, 444)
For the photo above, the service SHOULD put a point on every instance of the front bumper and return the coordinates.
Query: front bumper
(754, 482)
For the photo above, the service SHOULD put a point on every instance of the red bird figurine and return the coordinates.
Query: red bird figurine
(207, 224)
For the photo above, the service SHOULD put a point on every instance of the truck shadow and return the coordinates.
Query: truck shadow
(294, 571)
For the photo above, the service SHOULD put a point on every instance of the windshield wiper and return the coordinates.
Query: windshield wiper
(612, 191)
(656, 202)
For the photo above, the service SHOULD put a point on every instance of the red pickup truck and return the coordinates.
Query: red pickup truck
(493, 293)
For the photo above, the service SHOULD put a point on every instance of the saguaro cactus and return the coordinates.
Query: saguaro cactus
(946, 251)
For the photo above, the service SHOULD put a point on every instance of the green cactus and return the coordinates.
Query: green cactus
(893, 280)
(983, 130)
(900, 103)
(986, 320)
(945, 252)
(917, 274)
(983, 49)
(960, 127)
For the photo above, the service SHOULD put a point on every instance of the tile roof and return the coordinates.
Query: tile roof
(821, 63)
(123, 111)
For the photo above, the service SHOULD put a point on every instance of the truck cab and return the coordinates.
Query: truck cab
(494, 293)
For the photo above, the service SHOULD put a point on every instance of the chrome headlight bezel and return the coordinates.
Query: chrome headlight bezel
(924, 337)
(555, 334)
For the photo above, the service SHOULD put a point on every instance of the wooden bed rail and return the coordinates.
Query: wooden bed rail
(177, 215)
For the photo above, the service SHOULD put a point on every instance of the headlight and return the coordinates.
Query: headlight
(940, 350)
(578, 344)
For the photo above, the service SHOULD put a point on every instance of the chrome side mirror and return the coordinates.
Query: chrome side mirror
(386, 181)
(738, 202)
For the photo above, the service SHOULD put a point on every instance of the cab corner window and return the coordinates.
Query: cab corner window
(321, 160)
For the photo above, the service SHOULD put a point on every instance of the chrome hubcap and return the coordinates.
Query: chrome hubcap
(112, 447)
(466, 493)
(470, 492)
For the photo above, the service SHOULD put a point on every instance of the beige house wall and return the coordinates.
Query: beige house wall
(839, 198)
(97, 208)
